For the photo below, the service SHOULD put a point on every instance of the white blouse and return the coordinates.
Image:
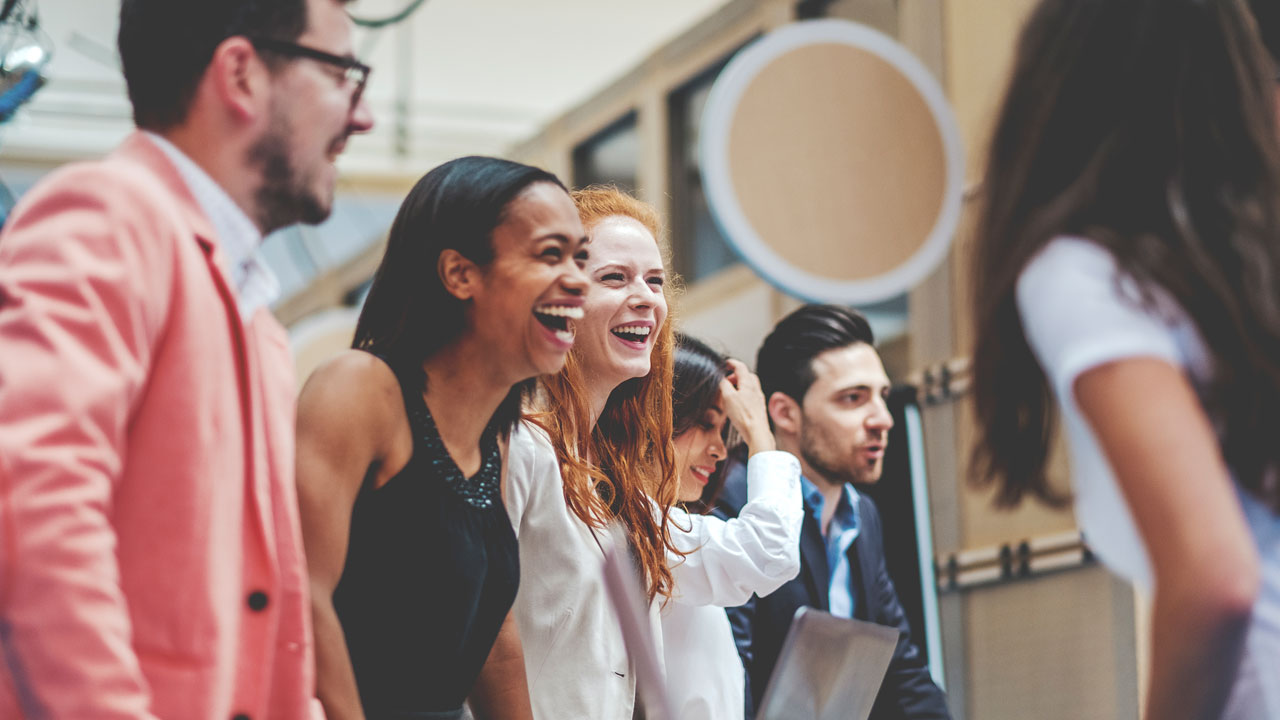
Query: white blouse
(728, 561)
(1079, 313)
(574, 654)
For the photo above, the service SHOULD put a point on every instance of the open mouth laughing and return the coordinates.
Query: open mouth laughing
(634, 334)
(558, 318)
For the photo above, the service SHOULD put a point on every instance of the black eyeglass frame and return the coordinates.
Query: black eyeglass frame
(353, 70)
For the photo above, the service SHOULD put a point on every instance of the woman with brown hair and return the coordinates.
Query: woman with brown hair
(1127, 265)
(726, 561)
(597, 448)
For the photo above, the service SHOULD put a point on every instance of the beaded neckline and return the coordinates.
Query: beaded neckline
(483, 488)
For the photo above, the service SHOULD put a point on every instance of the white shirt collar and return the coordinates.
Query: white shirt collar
(256, 285)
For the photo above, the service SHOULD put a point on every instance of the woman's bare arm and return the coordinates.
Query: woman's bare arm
(341, 416)
(1167, 461)
(502, 690)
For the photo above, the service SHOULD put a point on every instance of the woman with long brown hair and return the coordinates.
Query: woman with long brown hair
(598, 447)
(1127, 265)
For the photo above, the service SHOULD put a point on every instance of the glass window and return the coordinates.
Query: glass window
(699, 247)
(610, 157)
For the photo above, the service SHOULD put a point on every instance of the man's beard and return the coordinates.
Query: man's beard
(286, 195)
(815, 450)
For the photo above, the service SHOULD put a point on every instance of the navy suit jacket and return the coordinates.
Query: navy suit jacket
(760, 626)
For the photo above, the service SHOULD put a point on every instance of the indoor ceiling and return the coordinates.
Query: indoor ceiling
(458, 76)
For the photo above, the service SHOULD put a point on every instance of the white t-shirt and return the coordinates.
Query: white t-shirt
(728, 561)
(1078, 313)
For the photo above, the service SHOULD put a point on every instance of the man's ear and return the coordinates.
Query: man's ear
(238, 78)
(459, 275)
(785, 413)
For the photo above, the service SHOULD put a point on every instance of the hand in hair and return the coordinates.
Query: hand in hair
(744, 404)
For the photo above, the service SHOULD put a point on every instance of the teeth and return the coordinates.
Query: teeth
(564, 336)
(564, 311)
(633, 329)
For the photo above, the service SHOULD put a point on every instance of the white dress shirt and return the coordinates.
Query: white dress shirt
(238, 237)
(574, 654)
(728, 561)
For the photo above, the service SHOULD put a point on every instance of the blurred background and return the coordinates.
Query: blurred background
(1017, 619)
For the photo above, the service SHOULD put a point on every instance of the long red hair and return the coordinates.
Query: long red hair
(631, 443)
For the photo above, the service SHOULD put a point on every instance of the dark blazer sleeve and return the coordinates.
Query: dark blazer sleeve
(908, 692)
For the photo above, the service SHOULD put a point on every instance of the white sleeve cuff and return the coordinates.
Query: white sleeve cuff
(773, 474)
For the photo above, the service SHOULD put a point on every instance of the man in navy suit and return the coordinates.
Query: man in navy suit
(827, 390)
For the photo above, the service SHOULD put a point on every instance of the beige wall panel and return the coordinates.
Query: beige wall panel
(980, 41)
(731, 312)
(983, 525)
(1059, 647)
(879, 14)
(652, 126)
(921, 30)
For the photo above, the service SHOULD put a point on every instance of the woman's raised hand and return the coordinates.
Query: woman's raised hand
(744, 404)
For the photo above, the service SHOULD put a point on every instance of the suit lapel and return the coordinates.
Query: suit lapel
(813, 560)
(858, 579)
(862, 561)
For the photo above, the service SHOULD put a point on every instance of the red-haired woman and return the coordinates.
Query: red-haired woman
(602, 449)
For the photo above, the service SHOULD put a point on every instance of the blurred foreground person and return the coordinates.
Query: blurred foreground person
(827, 390)
(413, 561)
(150, 552)
(725, 561)
(1128, 266)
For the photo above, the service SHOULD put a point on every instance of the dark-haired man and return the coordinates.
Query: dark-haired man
(826, 390)
(150, 552)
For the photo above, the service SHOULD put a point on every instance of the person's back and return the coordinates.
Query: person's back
(152, 554)
(1117, 329)
(1125, 267)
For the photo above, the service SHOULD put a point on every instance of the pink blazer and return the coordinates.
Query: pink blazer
(150, 553)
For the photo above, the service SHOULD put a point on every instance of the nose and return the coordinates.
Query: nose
(880, 418)
(575, 279)
(716, 449)
(361, 117)
(640, 299)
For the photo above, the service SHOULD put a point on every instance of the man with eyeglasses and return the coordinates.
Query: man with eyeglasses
(150, 551)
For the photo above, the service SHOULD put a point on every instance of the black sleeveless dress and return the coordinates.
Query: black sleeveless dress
(432, 570)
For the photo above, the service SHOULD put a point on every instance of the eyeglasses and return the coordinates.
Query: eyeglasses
(353, 71)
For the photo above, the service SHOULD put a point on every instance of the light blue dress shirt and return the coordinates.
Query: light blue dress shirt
(837, 539)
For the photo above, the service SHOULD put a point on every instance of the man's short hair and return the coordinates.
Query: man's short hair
(785, 361)
(166, 45)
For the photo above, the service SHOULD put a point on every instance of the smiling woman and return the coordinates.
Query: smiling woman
(725, 561)
(597, 451)
(413, 561)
